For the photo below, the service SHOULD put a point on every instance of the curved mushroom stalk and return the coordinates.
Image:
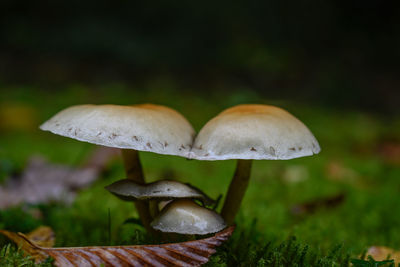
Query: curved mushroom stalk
(154, 208)
(134, 171)
(236, 190)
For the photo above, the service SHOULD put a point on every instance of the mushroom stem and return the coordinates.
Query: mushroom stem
(134, 171)
(153, 207)
(236, 190)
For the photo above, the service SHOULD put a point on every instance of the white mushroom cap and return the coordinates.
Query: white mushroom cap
(127, 189)
(186, 217)
(146, 127)
(254, 132)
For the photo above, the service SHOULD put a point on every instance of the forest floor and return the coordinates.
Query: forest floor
(323, 210)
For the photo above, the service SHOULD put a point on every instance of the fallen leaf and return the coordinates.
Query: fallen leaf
(17, 116)
(390, 151)
(387, 147)
(319, 203)
(336, 171)
(191, 253)
(43, 182)
(41, 236)
(380, 253)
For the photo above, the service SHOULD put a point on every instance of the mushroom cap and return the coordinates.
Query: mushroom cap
(145, 127)
(127, 189)
(186, 217)
(254, 132)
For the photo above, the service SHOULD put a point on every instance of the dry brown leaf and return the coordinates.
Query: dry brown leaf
(390, 152)
(17, 116)
(382, 253)
(42, 236)
(336, 171)
(319, 203)
(191, 253)
(43, 182)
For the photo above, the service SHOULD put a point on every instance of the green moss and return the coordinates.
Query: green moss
(11, 257)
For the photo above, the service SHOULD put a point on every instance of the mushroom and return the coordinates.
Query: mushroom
(145, 127)
(247, 132)
(127, 189)
(186, 217)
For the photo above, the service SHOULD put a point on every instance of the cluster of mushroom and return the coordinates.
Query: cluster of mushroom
(244, 132)
(179, 212)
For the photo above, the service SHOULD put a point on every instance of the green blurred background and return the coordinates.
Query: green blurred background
(338, 53)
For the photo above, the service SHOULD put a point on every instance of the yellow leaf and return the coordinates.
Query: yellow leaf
(17, 116)
(22, 242)
(42, 236)
(382, 253)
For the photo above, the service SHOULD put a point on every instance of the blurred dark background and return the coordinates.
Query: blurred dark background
(334, 53)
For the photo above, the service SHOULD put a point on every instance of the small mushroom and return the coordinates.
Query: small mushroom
(135, 128)
(248, 132)
(186, 217)
(129, 190)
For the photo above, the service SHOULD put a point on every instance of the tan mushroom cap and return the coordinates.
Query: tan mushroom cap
(254, 132)
(186, 217)
(145, 127)
(127, 189)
